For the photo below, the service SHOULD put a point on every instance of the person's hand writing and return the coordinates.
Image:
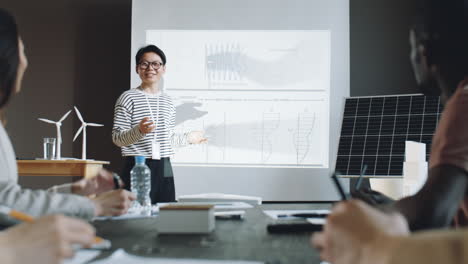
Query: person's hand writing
(46, 240)
(357, 233)
(102, 182)
(113, 203)
(371, 197)
(146, 125)
(196, 137)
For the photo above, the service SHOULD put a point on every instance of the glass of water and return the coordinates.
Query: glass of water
(49, 148)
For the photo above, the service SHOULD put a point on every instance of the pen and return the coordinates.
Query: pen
(229, 217)
(101, 242)
(233, 215)
(338, 185)
(304, 215)
(358, 183)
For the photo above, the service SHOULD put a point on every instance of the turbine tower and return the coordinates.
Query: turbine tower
(83, 128)
(58, 124)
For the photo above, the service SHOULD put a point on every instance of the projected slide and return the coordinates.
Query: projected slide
(262, 97)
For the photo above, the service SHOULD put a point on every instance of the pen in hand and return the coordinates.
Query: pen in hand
(361, 176)
(338, 186)
(99, 243)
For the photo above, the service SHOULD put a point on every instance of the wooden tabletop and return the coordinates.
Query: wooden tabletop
(84, 168)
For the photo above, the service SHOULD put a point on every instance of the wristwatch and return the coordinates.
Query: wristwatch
(116, 180)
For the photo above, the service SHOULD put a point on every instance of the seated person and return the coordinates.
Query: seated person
(13, 64)
(440, 61)
(356, 233)
(46, 240)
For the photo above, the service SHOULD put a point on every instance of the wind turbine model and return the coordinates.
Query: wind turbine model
(83, 128)
(58, 124)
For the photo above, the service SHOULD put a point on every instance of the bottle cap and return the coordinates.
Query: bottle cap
(139, 159)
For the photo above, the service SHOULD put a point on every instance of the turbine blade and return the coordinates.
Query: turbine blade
(79, 114)
(77, 133)
(94, 124)
(64, 116)
(47, 120)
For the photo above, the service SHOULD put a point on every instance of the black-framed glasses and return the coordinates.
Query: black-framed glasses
(145, 65)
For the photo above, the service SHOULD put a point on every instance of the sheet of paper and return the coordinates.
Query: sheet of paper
(122, 217)
(122, 257)
(230, 213)
(218, 205)
(82, 256)
(232, 205)
(132, 214)
(155, 210)
(316, 221)
(219, 197)
(285, 214)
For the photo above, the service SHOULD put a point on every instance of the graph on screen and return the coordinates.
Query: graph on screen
(262, 97)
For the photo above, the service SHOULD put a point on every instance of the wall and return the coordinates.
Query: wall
(78, 55)
(379, 49)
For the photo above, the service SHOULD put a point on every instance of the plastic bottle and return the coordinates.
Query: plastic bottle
(140, 177)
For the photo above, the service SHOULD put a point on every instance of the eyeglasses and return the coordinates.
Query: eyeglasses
(145, 65)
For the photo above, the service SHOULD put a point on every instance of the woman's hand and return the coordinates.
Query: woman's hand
(146, 125)
(196, 137)
(102, 182)
(113, 203)
(46, 240)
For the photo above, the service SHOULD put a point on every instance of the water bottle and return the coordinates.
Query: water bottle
(140, 177)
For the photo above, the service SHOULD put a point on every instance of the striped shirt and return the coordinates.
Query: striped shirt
(134, 105)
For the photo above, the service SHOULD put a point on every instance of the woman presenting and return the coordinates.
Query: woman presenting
(144, 120)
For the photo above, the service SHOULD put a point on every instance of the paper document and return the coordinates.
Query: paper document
(155, 210)
(289, 214)
(122, 257)
(219, 197)
(229, 213)
(218, 205)
(317, 221)
(231, 205)
(82, 256)
(131, 214)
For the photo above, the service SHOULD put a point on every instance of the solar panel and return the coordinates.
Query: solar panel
(375, 129)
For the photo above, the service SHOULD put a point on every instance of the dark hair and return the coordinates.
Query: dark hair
(442, 28)
(9, 56)
(150, 48)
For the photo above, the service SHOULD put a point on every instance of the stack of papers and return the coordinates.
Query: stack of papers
(220, 197)
(133, 213)
(122, 257)
(217, 205)
(289, 214)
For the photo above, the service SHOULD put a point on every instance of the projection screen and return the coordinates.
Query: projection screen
(265, 80)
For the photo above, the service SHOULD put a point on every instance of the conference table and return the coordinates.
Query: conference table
(245, 239)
